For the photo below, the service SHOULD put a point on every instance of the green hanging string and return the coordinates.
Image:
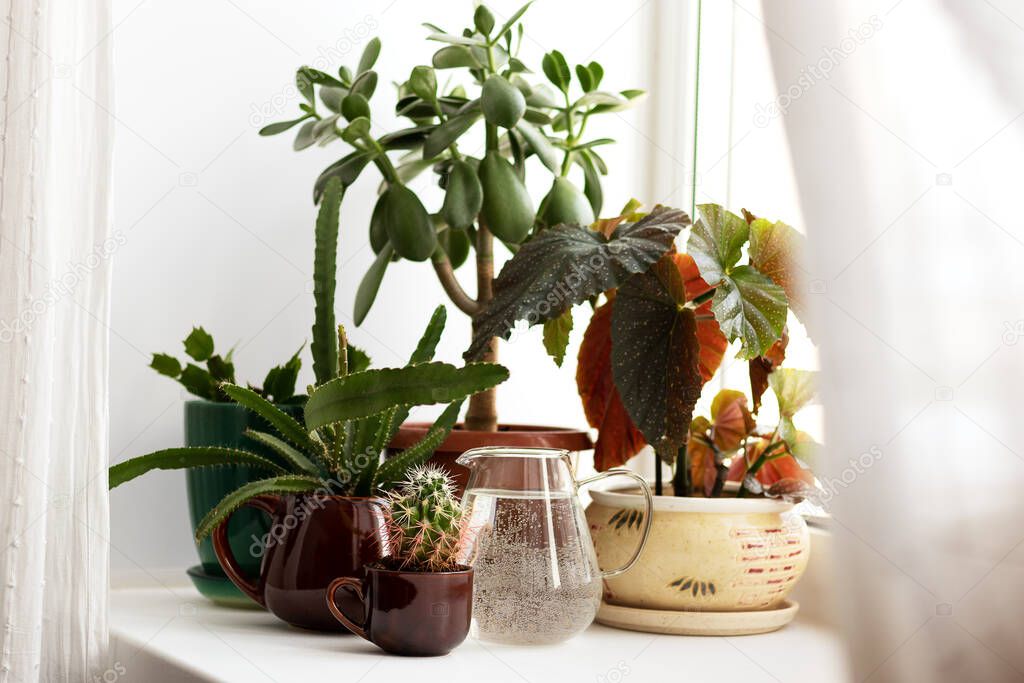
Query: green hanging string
(696, 114)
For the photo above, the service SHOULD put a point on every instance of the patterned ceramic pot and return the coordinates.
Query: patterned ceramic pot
(705, 554)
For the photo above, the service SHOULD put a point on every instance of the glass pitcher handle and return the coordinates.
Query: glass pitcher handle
(648, 515)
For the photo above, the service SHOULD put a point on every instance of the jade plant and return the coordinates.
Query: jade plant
(662, 321)
(426, 526)
(204, 382)
(350, 416)
(482, 169)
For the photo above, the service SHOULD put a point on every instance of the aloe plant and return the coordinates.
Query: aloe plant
(349, 421)
(485, 191)
(350, 416)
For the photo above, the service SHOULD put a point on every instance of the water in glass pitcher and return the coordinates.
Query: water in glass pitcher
(535, 572)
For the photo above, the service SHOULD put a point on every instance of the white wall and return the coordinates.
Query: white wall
(218, 221)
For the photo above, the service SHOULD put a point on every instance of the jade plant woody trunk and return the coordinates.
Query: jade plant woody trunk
(527, 127)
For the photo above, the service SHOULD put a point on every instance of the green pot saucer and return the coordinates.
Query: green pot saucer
(218, 589)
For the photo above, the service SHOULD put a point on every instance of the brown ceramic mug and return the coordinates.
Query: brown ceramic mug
(422, 614)
(313, 539)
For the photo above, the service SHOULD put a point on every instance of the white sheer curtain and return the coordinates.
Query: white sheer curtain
(55, 249)
(905, 125)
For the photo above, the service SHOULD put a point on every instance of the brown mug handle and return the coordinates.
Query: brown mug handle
(226, 557)
(356, 586)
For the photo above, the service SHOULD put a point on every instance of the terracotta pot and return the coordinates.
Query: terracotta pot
(422, 614)
(313, 539)
(461, 440)
(705, 554)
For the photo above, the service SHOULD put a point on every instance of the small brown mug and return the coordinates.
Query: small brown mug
(422, 614)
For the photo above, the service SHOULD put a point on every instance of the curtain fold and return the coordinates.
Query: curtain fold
(56, 244)
(903, 121)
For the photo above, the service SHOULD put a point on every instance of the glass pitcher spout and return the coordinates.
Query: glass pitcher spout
(477, 456)
(519, 469)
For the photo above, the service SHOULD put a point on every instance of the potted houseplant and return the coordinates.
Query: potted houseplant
(652, 344)
(418, 599)
(527, 127)
(326, 519)
(319, 488)
(212, 419)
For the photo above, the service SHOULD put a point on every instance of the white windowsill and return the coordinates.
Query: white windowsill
(163, 630)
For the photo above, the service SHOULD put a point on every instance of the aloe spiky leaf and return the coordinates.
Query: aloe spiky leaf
(291, 455)
(394, 469)
(364, 484)
(183, 458)
(367, 393)
(289, 483)
(286, 425)
(427, 344)
(325, 341)
(388, 423)
(361, 436)
(424, 353)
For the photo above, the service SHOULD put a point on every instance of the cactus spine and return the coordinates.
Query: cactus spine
(428, 529)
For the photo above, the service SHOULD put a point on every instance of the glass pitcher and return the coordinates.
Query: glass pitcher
(536, 579)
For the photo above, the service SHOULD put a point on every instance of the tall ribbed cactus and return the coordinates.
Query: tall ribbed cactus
(427, 526)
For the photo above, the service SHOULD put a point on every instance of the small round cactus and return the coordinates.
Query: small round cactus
(427, 525)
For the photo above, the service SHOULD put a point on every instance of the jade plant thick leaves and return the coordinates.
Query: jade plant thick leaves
(486, 194)
(484, 122)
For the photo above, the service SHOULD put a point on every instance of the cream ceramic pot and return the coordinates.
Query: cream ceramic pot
(709, 554)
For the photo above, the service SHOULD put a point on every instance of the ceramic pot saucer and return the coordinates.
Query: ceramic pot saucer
(697, 623)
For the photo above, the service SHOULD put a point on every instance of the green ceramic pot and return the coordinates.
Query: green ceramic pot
(222, 424)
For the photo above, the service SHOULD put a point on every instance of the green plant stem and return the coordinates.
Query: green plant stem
(482, 414)
(383, 163)
(570, 138)
(490, 58)
(446, 276)
(492, 137)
